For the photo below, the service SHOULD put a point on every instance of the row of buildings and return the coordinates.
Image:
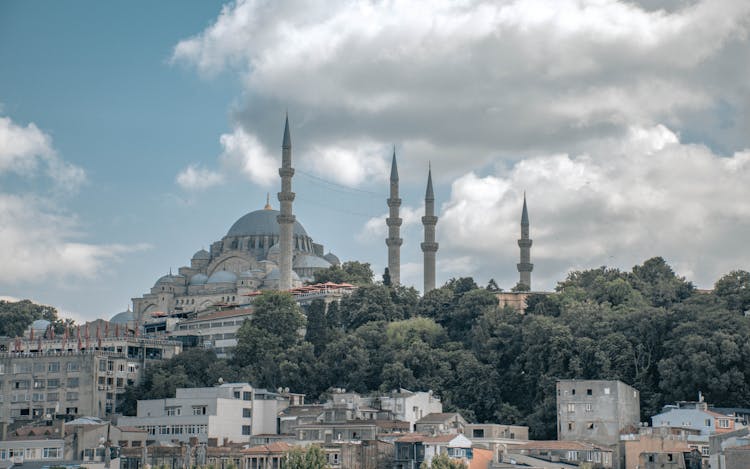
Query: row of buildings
(237, 425)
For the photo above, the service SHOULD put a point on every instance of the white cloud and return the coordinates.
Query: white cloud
(39, 241)
(196, 178)
(39, 244)
(243, 152)
(644, 196)
(24, 149)
(350, 163)
(375, 228)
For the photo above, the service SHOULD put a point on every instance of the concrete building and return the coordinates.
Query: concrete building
(230, 412)
(410, 406)
(26, 450)
(412, 450)
(595, 410)
(653, 440)
(440, 424)
(497, 438)
(577, 453)
(46, 377)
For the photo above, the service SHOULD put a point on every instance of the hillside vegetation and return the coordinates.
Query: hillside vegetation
(648, 328)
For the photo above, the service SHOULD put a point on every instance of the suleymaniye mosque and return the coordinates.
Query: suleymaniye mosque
(249, 258)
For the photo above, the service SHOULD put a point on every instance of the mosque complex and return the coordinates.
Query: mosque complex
(269, 249)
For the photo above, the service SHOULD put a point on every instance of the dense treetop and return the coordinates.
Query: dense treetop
(647, 327)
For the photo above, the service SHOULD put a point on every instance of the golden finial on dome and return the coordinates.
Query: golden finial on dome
(268, 202)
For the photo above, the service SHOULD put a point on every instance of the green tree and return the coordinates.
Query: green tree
(317, 328)
(442, 461)
(354, 272)
(312, 457)
(734, 289)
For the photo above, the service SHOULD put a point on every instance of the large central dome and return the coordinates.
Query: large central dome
(261, 222)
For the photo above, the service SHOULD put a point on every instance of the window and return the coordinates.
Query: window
(606, 391)
(247, 413)
(120, 383)
(53, 397)
(199, 410)
(723, 423)
(478, 433)
(53, 367)
(21, 368)
(571, 426)
(589, 392)
(39, 367)
(102, 365)
(53, 383)
(71, 396)
(571, 407)
(590, 425)
(51, 453)
(246, 430)
(37, 397)
(573, 392)
(39, 384)
(72, 382)
(74, 366)
(172, 411)
(708, 422)
(589, 407)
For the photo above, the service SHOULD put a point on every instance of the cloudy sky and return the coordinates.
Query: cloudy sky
(132, 135)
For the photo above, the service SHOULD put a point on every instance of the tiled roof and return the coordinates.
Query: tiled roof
(278, 447)
(220, 315)
(417, 437)
(561, 445)
(438, 417)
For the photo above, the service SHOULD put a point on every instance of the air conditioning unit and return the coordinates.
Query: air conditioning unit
(101, 387)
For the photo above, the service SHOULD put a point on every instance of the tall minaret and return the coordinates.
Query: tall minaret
(429, 247)
(394, 241)
(525, 266)
(286, 218)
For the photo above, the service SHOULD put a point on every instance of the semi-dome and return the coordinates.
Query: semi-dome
(311, 262)
(170, 278)
(332, 258)
(261, 222)
(40, 325)
(198, 279)
(275, 274)
(123, 318)
(222, 276)
(202, 255)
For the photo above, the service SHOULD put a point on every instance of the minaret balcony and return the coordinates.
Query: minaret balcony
(429, 220)
(286, 172)
(394, 202)
(524, 243)
(286, 196)
(394, 241)
(284, 219)
(393, 221)
(525, 267)
(429, 247)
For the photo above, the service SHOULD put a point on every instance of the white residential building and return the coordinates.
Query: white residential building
(230, 412)
(411, 406)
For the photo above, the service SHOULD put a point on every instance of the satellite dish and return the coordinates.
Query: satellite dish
(221, 380)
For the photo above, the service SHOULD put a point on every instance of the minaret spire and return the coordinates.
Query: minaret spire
(394, 241)
(429, 246)
(286, 219)
(525, 266)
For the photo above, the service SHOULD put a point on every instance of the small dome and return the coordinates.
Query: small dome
(222, 276)
(198, 279)
(123, 318)
(275, 249)
(332, 258)
(311, 262)
(40, 325)
(275, 274)
(202, 255)
(169, 279)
